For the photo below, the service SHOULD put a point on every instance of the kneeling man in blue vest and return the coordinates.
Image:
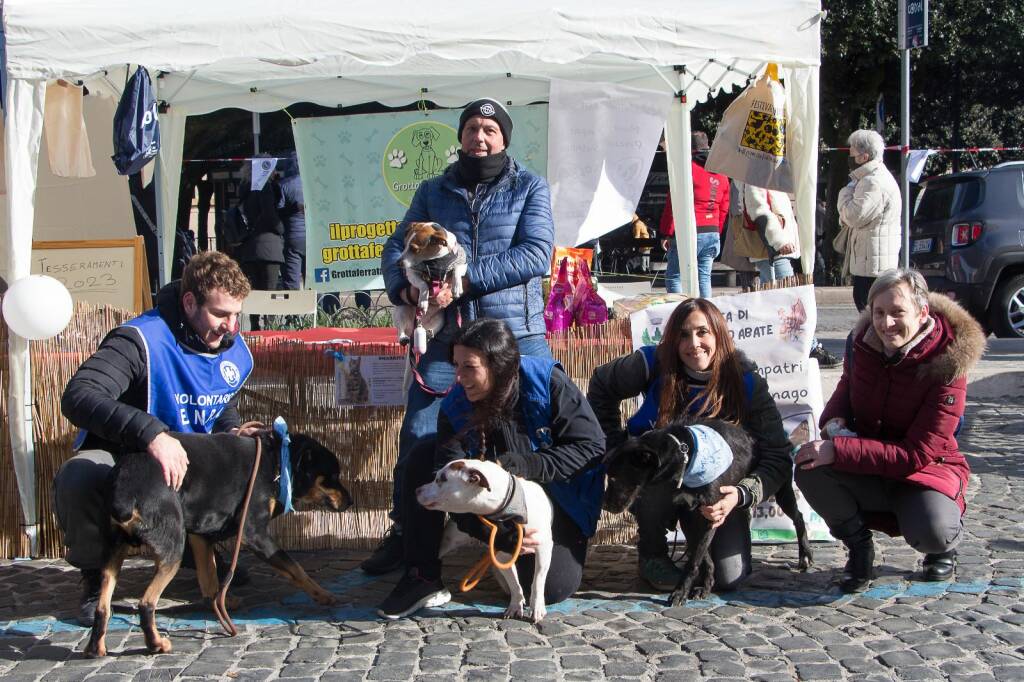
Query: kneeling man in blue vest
(175, 368)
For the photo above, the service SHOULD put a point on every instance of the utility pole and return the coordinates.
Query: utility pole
(913, 32)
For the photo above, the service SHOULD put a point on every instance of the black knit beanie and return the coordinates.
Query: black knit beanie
(488, 108)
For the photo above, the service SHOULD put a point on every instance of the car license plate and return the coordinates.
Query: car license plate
(922, 245)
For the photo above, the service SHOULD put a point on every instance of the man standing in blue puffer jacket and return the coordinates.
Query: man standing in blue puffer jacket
(501, 214)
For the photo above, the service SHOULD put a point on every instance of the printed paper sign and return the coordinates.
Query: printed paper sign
(602, 141)
(377, 380)
(359, 174)
(772, 327)
(261, 168)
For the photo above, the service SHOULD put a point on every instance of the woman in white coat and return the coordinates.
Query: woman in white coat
(870, 207)
(770, 239)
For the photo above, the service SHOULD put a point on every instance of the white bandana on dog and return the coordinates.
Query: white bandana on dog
(710, 458)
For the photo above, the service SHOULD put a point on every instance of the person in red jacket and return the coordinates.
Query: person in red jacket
(891, 461)
(711, 207)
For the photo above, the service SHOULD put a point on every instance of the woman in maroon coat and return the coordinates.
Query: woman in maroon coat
(891, 461)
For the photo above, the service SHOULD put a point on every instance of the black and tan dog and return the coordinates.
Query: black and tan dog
(665, 454)
(145, 511)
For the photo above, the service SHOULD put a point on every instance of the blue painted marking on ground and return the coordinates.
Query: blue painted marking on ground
(299, 607)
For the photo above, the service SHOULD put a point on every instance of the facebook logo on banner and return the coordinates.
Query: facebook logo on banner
(322, 275)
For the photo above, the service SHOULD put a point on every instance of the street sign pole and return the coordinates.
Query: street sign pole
(904, 132)
(913, 32)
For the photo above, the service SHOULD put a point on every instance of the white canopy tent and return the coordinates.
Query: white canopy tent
(263, 55)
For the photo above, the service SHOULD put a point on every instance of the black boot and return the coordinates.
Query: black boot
(860, 565)
(91, 580)
(938, 567)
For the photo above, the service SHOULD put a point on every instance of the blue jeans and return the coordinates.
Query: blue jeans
(769, 272)
(708, 248)
(421, 408)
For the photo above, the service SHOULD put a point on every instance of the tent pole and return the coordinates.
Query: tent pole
(23, 130)
(802, 140)
(680, 180)
(167, 176)
(255, 133)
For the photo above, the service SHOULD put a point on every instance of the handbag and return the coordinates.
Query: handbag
(590, 308)
(558, 312)
(841, 242)
(750, 145)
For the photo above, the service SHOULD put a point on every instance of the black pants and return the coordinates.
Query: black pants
(263, 276)
(422, 531)
(861, 286)
(656, 514)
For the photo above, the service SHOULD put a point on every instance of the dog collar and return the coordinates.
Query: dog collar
(284, 481)
(671, 465)
(685, 452)
(513, 507)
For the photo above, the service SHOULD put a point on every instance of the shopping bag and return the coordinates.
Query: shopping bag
(558, 313)
(589, 308)
(751, 145)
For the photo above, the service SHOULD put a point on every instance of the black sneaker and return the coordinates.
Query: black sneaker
(389, 555)
(91, 580)
(826, 359)
(413, 593)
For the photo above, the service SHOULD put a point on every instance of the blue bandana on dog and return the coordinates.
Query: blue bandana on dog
(710, 458)
(284, 486)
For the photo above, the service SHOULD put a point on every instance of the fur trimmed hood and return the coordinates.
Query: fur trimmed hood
(964, 349)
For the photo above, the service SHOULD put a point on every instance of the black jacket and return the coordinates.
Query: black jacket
(628, 377)
(575, 432)
(266, 243)
(107, 395)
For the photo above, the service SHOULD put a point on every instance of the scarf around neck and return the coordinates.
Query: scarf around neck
(474, 170)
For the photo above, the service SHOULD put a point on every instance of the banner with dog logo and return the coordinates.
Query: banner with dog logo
(359, 174)
(774, 328)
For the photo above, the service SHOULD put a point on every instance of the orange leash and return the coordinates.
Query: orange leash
(479, 569)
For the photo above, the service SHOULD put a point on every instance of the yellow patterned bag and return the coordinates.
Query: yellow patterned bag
(751, 144)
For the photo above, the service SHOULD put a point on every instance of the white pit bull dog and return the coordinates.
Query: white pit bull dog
(469, 486)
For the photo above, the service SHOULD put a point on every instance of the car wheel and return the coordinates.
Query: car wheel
(1007, 312)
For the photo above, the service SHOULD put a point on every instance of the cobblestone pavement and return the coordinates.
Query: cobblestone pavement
(782, 626)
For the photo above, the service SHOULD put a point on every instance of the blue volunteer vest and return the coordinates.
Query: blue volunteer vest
(646, 418)
(579, 497)
(187, 390)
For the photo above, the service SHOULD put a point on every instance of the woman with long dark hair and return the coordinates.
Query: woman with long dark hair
(695, 370)
(525, 413)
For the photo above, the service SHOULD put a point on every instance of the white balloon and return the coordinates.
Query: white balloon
(37, 307)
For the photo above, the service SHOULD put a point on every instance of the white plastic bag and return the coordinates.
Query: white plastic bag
(750, 145)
